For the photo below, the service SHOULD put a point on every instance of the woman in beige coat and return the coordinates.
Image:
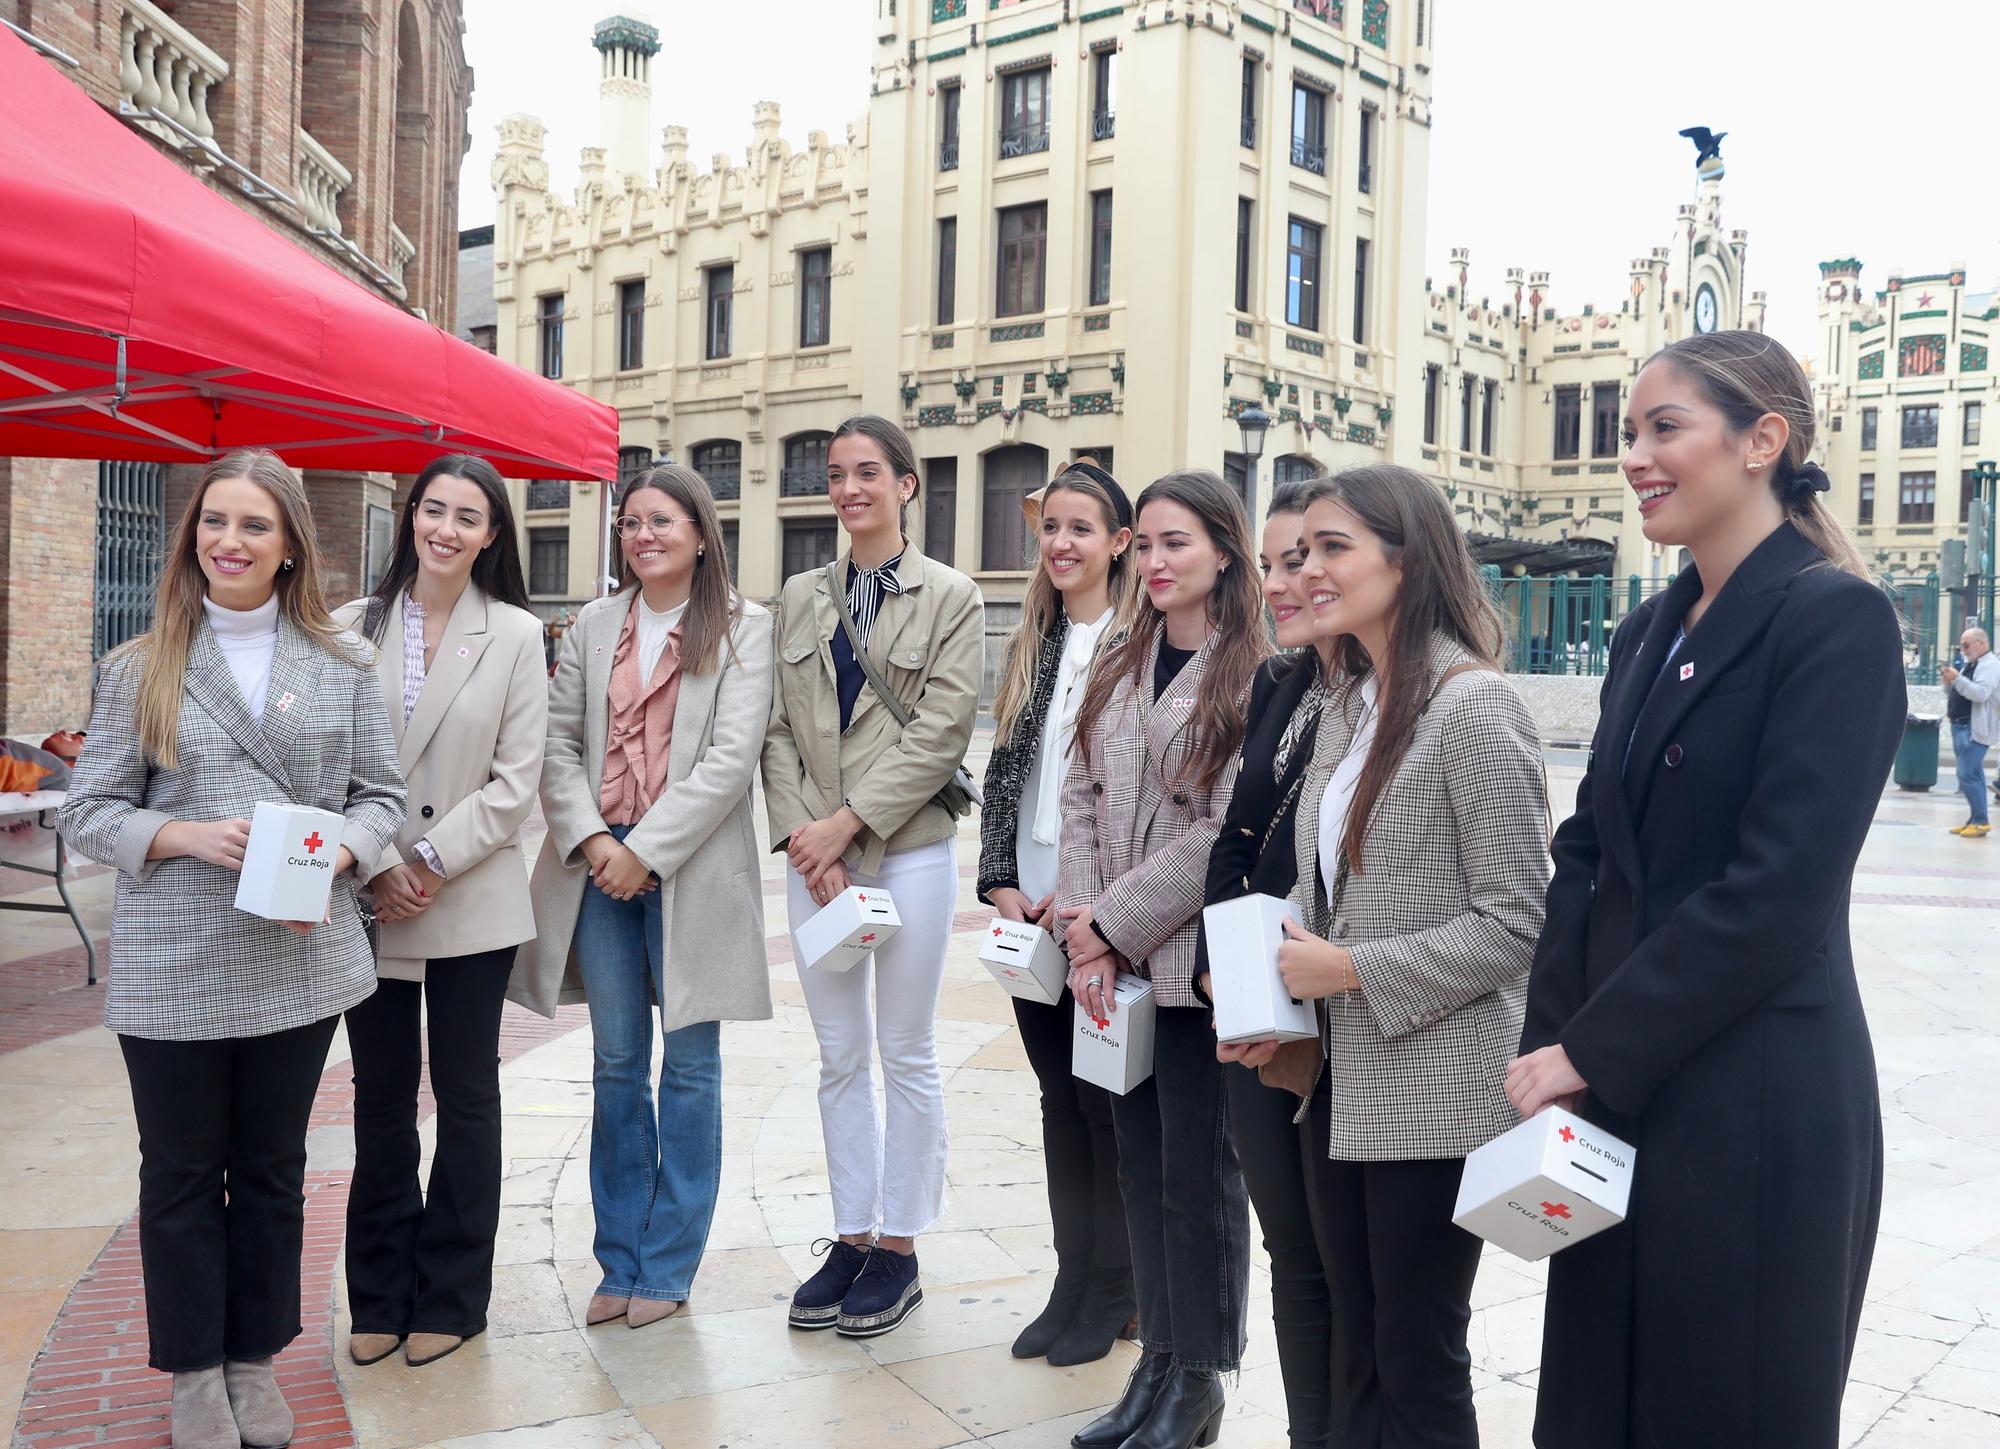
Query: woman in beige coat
(459, 658)
(647, 889)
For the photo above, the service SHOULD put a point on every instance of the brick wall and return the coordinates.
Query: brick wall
(48, 544)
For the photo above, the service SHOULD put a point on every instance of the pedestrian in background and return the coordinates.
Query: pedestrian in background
(1694, 990)
(1972, 704)
(244, 690)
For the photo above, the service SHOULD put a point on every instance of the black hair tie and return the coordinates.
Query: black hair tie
(1807, 477)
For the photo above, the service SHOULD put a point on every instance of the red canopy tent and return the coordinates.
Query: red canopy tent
(145, 317)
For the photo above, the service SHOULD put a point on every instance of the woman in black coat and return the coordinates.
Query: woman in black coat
(1255, 855)
(1694, 990)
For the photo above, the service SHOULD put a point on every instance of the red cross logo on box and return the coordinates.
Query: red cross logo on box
(996, 931)
(1567, 1135)
(313, 843)
(867, 939)
(1556, 1209)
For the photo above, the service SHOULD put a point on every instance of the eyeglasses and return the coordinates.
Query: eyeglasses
(662, 525)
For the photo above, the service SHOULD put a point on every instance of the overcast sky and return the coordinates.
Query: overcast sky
(1855, 128)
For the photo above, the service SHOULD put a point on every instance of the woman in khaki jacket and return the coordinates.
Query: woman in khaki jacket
(647, 889)
(851, 793)
(459, 658)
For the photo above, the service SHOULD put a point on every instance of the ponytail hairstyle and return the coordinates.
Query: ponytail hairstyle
(1745, 375)
(895, 448)
(1043, 604)
(166, 648)
(1235, 618)
(1440, 593)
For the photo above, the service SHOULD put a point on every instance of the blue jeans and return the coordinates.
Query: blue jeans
(655, 1163)
(1971, 756)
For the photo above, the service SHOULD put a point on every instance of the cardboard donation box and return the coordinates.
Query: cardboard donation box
(1025, 960)
(1550, 1182)
(1251, 1003)
(847, 928)
(288, 864)
(1116, 1053)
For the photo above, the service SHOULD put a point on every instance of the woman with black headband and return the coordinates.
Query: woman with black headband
(1694, 990)
(1083, 584)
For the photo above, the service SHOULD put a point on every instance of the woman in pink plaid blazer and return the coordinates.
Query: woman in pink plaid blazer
(1156, 745)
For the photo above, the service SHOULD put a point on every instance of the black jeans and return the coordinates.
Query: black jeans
(1401, 1273)
(419, 1263)
(1274, 1152)
(222, 1203)
(1184, 1199)
(1080, 1144)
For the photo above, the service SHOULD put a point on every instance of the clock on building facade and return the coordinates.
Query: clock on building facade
(1705, 310)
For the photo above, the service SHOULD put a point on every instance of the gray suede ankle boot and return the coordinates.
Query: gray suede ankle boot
(202, 1419)
(263, 1418)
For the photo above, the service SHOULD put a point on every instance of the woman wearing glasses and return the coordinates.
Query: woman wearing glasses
(646, 893)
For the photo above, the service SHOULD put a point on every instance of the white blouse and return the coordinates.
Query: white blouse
(653, 631)
(1339, 797)
(248, 639)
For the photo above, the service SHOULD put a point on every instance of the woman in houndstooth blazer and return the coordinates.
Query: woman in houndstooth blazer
(1422, 843)
(243, 690)
(1156, 742)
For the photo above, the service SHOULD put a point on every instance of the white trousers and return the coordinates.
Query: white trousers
(886, 1178)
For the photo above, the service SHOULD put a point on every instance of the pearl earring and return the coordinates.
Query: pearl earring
(288, 563)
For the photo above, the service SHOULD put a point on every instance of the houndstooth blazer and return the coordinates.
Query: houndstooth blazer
(186, 965)
(1441, 920)
(1136, 837)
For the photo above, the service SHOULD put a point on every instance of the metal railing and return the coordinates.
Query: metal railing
(1249, 133)
(1023, 141)
(545, 494)
(724, 483)
(802, 480)
(947, 155)
(1311, 157)
(1564, 626)
(1103, 125)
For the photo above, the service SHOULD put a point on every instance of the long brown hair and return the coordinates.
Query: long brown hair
(713, 606)
(1745, 375)
(1439, 593)
(1043, 605)
(496, 569)
(177, 611)
(1235, 617)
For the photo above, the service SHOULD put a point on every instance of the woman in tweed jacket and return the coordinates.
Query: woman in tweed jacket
(243, 690)
(1422, 843)
(1082, 586)
(1156, 742)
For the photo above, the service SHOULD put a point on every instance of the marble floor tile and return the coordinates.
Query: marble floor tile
(619, 1429)
(861, 1410)
(492, 1383)
(988, 1391)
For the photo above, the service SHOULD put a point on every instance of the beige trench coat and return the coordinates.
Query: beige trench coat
(698, 837)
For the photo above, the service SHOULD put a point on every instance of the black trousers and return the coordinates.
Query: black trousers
(1275, 1153)
(1401, 1273)
(417, 1262)
(222, 1203)
(1081, 1146)
(1185, 1204)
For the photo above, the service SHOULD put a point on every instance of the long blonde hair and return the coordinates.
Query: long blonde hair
(1746, 375)
(177, 605)
(1043, 605)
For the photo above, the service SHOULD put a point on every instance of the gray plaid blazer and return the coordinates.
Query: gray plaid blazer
(1441, 920)
(1135, 837)
(186, 965)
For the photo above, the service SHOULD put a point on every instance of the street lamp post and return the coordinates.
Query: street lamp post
(1980, 581)
(1253, 422)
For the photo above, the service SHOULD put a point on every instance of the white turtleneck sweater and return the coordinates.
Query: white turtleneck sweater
(248, 639)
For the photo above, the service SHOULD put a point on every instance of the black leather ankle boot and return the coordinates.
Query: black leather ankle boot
(1149, 1375)
(1186, 1415)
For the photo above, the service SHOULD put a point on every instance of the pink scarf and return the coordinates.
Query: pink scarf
(641, 727)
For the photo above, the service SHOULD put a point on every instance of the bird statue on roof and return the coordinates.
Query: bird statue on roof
(1708, 151)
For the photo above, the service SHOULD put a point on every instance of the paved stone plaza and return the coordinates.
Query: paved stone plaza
(72, 1342)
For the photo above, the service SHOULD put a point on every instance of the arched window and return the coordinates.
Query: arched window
(804, 475)
(720, 462)
(632, 462)
(1294, 468)
(1011, 474)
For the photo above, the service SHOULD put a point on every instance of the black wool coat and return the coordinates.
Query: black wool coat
(1696, 967)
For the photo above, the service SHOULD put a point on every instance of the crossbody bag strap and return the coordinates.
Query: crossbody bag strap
(882, 691)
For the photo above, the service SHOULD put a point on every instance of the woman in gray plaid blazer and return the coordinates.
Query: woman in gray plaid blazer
(1156, 747)
(244, 690)
(1422, 843)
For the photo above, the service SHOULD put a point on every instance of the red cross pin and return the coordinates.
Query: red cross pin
(1567, 1135)
(1687, 672)
(313, 843)
(286, 702)
(1556, 1209)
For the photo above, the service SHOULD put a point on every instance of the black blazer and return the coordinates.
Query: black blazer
(1696, 968)
(1240, 864)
